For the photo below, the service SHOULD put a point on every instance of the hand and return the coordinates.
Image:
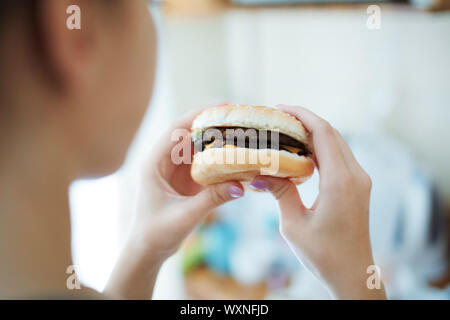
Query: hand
(172, 204)
(170, 207)
(332, 237)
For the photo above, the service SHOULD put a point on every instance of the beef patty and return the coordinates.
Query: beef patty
(247, 138)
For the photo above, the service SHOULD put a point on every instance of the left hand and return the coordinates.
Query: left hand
(171, 205)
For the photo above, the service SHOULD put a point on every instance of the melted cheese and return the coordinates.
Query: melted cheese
(230, 146)
(292, 149)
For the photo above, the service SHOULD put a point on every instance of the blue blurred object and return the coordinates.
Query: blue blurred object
(218, 240)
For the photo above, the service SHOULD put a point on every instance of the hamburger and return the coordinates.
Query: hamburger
(240, 142)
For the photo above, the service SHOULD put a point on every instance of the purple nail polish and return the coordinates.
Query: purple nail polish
(260, 185)
(235, 192)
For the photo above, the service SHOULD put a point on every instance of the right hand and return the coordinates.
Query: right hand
(332, 237)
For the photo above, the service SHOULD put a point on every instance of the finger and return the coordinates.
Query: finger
(193, 210)
(349, 157)
(328, 154)
(181, 181)
(163, 162)
(353, 164)
(184, 126)
(284, 190)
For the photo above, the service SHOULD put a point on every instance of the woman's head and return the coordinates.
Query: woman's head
(84, 92)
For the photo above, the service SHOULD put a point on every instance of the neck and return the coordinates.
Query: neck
(35, 248)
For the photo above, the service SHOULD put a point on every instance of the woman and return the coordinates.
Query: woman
(71, 102)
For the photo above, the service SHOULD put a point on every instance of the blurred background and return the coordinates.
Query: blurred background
(381, 75)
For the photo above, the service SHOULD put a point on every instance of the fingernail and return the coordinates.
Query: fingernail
(260, 185)
(235, 192)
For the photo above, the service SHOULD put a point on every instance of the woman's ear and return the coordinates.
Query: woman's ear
(65, 41)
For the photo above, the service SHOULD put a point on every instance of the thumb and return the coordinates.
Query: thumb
(194, 209)
(292, 209)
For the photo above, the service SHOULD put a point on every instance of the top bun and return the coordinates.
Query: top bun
(246, 116)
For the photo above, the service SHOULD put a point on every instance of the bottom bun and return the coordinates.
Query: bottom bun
(218, 165)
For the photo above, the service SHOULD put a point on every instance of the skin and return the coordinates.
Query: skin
(70, 105)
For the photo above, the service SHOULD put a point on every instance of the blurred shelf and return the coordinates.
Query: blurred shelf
(202, 283)
(183, 8)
